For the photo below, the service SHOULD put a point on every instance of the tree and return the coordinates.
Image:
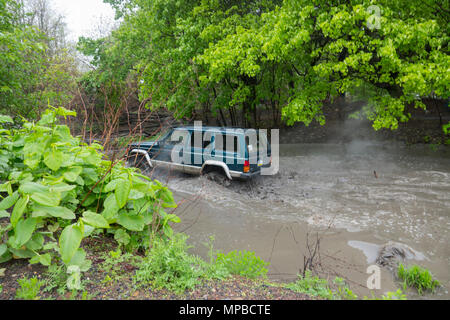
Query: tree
(35, 69)
(243, 61)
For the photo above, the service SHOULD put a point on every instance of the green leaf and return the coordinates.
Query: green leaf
(4, 119)
(74, 280)
(131, 222)
(57, 212)
(122, 192)
(32, 187)
(62, 187)
(111, 186)
(95, 220)
(53, 159)
(18, 210)
(4, 214)
(79, 259)
(69, 242)
(173, 218)
(48, 199)
(122, 237)
(36, 242)
(3, 249)
(22, 254)
(6, 187)
(23, 232)
(72, 173)
(45, 259)
(9, 201)
(111, 209)
(5, 257)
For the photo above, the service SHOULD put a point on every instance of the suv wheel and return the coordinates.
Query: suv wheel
(218, 177)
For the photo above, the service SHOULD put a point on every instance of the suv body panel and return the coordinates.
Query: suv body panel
(159, 152)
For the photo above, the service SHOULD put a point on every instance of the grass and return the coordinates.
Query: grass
(168, 265)
(317, 287)
(243, 263)
(417, 277)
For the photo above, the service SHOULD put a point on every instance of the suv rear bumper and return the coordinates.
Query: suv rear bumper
(244, 176)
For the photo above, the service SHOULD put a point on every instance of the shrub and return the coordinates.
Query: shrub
(29, 289)
(311, 285)
(169, 265)
(243, 263)
(54, 186)
(317, 287)
(417, 277)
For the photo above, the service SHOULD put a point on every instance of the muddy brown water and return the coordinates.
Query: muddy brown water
(357, 197)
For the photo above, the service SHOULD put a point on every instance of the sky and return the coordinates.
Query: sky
(85, 17)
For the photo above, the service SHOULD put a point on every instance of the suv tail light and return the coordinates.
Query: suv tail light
(246, 166)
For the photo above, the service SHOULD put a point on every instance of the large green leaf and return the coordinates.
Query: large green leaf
(122, 237)
(53, 159)
(36, 242)
(61, 187)
(95, 220)
(4, 119)
(131, 222)
(111, 186)
(19, 209)
(72, 173)
(111, 209)
(57, 212)
(3, 249)
(23, 232)
(32, 187)
(79, 259)
(9, 201)
(122, 192)
(69, 242)
(44, 259)
(48, 199)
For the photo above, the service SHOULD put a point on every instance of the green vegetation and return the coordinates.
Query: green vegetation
(397, 295)
(55, 187)
(169, 265)
(35, 67)
(417, 277)
(317, 287)
(237, 60)
(260, 63)
(29, 289)
(245, 264)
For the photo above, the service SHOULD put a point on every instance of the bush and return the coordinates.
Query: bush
(29, 289)
(243, 263)
(169, 265)
(55, 186)
(317, 287)
(417, 277)
(311, 285)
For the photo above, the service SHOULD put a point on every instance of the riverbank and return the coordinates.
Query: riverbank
(112, 279)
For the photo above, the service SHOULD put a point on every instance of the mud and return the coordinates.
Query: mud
(360, 197)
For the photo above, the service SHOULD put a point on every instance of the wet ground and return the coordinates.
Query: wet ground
(356, 197)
